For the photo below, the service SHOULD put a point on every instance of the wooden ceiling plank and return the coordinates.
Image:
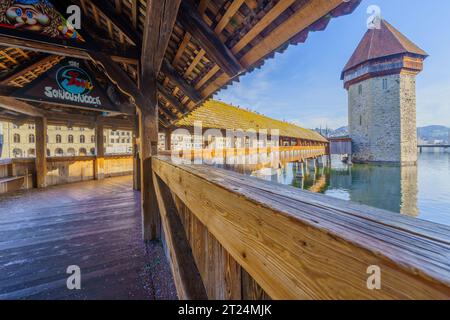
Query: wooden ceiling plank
(181, 48)
(119, 23)
(25, 67)
(191, 20)
(207, 76)
(229, 13)
(175, 78)
(194, 63)
(171, 99)
(274, 13)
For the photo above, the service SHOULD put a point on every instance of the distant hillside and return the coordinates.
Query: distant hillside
(432, 133)
(427, 134)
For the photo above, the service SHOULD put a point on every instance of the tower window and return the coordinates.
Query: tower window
(360, 89)
(385, 84)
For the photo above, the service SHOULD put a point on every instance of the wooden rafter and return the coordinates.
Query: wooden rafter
(208, 40)
(174, 77)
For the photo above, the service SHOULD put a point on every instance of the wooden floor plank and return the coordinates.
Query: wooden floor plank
(95, 225)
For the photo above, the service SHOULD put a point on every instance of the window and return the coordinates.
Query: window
(59, 152)
(31, 153)
(92, 151)
(17, 153)
(360, 89)
(48, 152)
(385, 84)
(71, 152)
(31, 138)
(31, 126)
(82, 139)
(360, 120)
(112, 140)
(123, 133)
(58, 138)
(70, 139)
(16, 138)
(15, 126)
(58, 128)
(82, 151)
(92, 139)
(81, 129)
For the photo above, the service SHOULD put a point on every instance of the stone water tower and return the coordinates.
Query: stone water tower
(381, 81)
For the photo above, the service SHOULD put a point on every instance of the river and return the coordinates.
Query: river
(422, 191)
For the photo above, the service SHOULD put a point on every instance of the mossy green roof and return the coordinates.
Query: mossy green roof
(219, 115)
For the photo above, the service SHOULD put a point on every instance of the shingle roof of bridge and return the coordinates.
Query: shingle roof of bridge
(383, 42)
(219, 115)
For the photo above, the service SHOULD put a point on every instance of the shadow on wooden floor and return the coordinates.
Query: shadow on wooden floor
(95, 225)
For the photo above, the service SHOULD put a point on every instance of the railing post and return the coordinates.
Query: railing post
(136, 157)
(41, 152)
(99, 162)
(148, 133)
(168, 140)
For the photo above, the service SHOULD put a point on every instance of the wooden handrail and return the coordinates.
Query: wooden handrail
(299, 245)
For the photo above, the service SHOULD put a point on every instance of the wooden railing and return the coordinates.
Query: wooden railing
(231, 236)
(302, 151)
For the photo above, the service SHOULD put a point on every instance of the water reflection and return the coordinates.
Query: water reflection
(420, 191)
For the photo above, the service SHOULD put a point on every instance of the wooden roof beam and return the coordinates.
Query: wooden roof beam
(54, 47)
(20, 107)
(193, 23)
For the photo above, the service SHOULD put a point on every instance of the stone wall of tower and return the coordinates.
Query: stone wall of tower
(382, 121)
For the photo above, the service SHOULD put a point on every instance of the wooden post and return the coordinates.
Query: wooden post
(41, 152)
(136, 158)
(99, 163)
(168, 139)
(148, 131)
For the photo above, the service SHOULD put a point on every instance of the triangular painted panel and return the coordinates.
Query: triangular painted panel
(36, 16)
(68, 83)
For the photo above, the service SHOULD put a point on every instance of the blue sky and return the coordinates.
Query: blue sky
(303, 84)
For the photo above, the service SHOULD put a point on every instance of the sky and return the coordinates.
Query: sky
(303, 86)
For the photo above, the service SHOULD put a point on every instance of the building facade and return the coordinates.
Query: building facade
(381, 81)
(18, 141)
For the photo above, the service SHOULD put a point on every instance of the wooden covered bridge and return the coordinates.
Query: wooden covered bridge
(142, 65)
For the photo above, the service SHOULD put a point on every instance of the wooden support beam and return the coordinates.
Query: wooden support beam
(191, 20)
(160, 19)
(168, 139)
(20, 107)
(136, 157)
(40, 124)
(99, 162)
(173, 75)
(148, 130)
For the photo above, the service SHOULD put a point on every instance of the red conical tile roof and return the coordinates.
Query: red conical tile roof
(383, 42)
